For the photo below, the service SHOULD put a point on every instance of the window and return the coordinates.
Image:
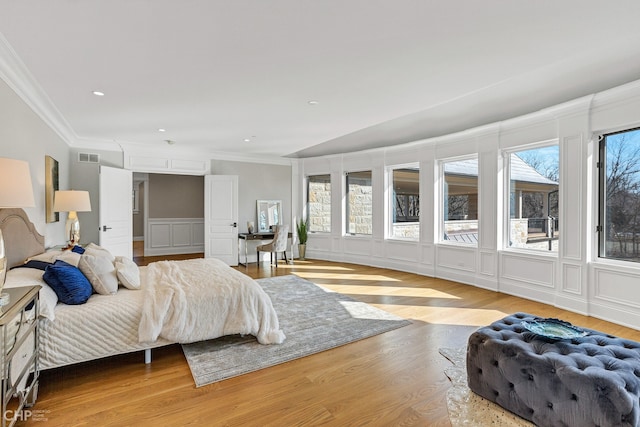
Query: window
(319, 203)
(533, 198)
(460, 201)
(359, 203)
(405, 203)
(619, 202)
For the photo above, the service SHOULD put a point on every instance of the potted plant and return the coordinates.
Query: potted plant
(301, 228)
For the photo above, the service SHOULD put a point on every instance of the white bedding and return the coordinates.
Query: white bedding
(201, 299)
(105, 325)
(108, 325)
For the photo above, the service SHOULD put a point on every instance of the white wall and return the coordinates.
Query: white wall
(24, 136)
(574, 278)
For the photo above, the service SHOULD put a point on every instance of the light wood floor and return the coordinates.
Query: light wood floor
(394, 379)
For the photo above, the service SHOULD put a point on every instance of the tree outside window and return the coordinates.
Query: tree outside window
(619, 173)
(460, 201)
(405, 207)
(533, 198)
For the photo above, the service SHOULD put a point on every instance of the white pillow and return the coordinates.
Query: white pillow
(93, 249)
(31, 277)
(128, 272)
(56, 254)
(101, 273)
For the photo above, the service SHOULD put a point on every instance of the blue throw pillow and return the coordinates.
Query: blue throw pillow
(68, 282)
(78, 249)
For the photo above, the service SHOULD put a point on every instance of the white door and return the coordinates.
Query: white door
(221, 218)
(116, 189)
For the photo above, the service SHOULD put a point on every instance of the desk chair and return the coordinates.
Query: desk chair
(279, 244)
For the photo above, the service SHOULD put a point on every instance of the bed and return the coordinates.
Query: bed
(177, 302)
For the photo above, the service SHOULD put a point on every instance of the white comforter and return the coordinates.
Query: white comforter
(201, 299)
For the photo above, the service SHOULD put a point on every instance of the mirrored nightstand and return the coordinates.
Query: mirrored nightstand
(19, 355)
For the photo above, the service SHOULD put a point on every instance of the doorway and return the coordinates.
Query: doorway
(168, 214)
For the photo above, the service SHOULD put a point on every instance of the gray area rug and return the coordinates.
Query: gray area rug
(467, 408)
(313, 319)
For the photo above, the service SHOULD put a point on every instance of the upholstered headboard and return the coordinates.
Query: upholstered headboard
(21, 239)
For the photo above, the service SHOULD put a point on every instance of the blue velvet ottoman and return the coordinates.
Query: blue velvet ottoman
(585, 381)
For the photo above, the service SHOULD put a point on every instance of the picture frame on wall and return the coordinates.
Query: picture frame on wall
(51, 186)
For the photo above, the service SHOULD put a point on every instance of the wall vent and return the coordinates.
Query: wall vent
(88, 158)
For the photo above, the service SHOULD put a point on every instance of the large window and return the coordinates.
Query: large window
(319, 203)
(533, 198)
(405, 203)
(460, 201)
(619, 176)
(359, 203)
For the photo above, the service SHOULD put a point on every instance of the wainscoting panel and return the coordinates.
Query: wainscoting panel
(357, 246)
(456, 258)
(402, 251)
(488, 263)
(616, 287)
(532, 271)
(168, 236)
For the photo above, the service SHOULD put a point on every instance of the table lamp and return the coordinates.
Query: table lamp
(72, 201)
(16, 191)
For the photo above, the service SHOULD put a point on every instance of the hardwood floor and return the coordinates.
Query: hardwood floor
(394, 379)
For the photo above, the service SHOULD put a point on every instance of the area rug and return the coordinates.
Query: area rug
(467, 408)
(313, 319)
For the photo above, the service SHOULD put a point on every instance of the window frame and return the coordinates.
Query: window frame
(307, 204)
(390, 201)
(441, 199)
(600, 165)
(506, 223)
(347, 205)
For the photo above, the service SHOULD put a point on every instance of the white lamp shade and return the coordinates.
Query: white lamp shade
(16, 190)
(71, 200)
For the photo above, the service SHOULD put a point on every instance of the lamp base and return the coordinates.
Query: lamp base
(72, 229)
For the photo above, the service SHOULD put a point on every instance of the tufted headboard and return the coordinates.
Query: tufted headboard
(21, 239)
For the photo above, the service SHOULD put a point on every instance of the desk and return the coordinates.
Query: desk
(253, 237)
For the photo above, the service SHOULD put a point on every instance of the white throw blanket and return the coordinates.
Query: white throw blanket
(201, 299)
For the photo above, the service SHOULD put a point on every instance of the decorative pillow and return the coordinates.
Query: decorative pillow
(69, 257)
(93, 249)
(56, 254)
(128, 272)
(78, 249)
(68, 282)
(32, 277)
(100, 271)
(48, 256)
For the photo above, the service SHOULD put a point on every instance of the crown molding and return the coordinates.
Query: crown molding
(16, 75)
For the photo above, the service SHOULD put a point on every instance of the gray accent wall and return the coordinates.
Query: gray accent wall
(257, 181)
(25, 136)
(176, 196)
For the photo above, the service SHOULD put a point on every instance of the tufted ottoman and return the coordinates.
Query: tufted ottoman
(582, 382)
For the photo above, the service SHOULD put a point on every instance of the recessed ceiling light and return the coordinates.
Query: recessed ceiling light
(162, 130)
(313, 102)
(98, 93)
(247, 140)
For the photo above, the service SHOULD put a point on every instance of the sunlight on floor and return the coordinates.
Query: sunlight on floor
(313, 267)
(458, 316)
(338, 276)
(392, 291)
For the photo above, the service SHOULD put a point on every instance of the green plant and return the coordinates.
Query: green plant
(301, 228)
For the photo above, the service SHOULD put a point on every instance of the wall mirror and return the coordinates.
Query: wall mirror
(269, 214)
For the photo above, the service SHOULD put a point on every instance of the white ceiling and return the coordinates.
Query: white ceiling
(213, 72)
